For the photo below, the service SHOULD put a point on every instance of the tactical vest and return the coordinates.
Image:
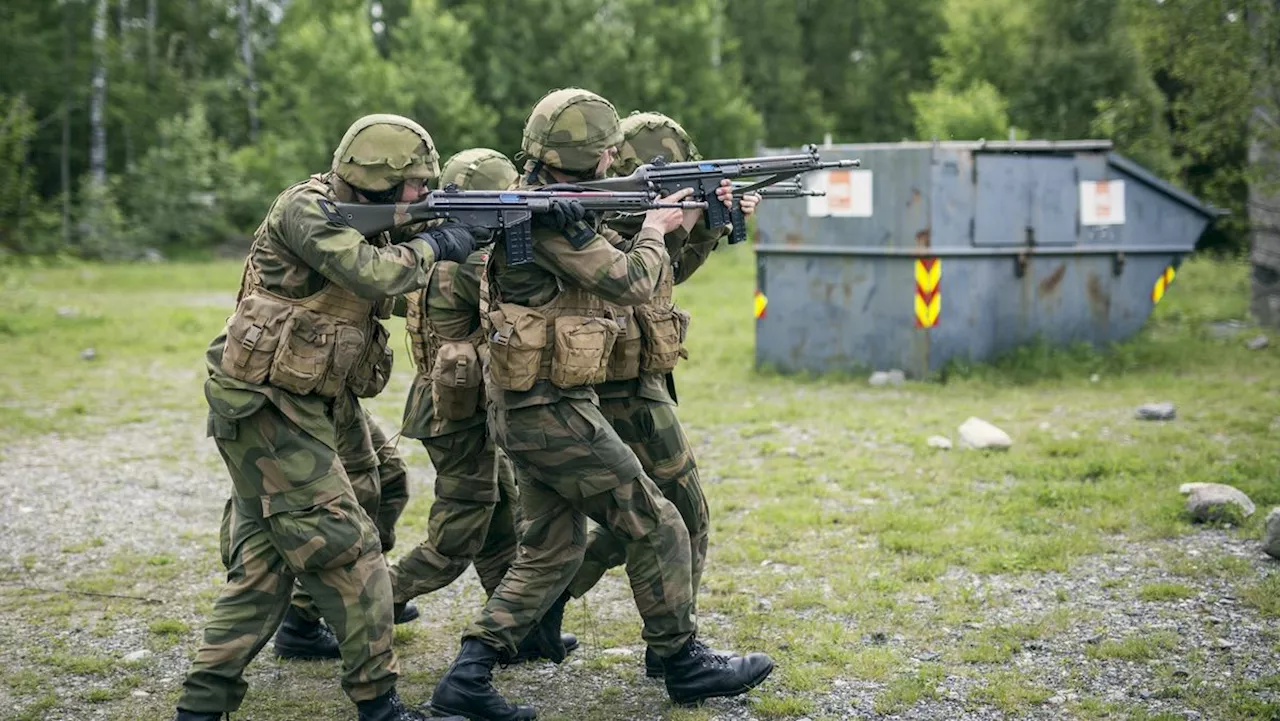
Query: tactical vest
(578, 338)
(450, 358)
(652, 335)
(320, 344)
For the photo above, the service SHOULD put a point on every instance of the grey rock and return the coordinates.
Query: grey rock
(1223, 644)
(895, 377)
(978, 434)
(624, 652)
(88, 354)
(139, 655)
(942, 443)
(1258, 342)
(151, 255)
(929, 656)
(139, 693)
(68, 312)
(1156, 412)
(1271, 534)
(1218, 502)
(1227, 329)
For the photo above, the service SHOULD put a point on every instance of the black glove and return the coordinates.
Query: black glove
(451, 241)
(564, 213)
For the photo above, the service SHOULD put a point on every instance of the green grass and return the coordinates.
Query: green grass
(906, 691)
(1165, 592)
(168, 627)
(1264, 595)
(1138, 647)
(864, 530)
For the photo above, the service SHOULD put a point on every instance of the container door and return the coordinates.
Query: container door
(1001, 209)
(1054, 199)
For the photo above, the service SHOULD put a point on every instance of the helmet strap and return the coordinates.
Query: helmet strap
(390, 195)
(534, 169)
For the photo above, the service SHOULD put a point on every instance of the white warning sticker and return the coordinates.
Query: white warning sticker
(1102, 202)
(848, 193)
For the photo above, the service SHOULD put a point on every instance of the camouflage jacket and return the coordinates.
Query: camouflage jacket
(458, 313)
(301, 246)
(688, 250)
(597, 266)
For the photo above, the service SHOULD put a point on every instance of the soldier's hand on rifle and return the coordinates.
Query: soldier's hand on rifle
(666, 220)
(564, 212)
(451, 241)
(748, 202)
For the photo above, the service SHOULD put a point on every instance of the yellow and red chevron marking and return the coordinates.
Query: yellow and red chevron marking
(1162, 284)
(761, 303)
(928, 292)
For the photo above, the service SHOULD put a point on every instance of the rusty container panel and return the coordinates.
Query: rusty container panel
(964, 251)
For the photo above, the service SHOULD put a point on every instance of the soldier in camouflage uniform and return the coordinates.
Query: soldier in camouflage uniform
(551, 327)
(639, 399)
(380, 481)
(305, 332)
(473, 519)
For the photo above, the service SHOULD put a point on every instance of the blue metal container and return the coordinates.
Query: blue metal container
(964, 250)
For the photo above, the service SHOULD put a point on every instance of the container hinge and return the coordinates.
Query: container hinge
(1020, 263)
(1117, 264)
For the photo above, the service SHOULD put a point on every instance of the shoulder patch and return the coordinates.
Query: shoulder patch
(579, 234)
(330, 211)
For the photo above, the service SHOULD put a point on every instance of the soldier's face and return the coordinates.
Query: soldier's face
(413, 190)
(602, 167)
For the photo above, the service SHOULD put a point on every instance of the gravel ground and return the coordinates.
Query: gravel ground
(156, 488)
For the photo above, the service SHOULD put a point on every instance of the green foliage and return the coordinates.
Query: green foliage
(686, 77)
(175, 195)
(770, 45)
(1175, 84)
(99, 230)
(971, 114)
(17, 126)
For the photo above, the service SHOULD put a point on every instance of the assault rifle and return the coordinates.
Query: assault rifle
(704, 177)
(508, 212)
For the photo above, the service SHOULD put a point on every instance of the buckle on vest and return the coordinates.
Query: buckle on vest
(251, 337)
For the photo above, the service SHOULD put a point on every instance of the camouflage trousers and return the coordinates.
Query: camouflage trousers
(573, 466)
(473, 519)
(293, 515)
(378, 477)
(652, 431)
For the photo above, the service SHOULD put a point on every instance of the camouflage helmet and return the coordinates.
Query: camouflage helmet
(570, 129)
(648, 135)
(479, 169)
(381, 151)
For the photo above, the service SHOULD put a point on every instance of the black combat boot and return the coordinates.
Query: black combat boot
(299, 638)
(389, 707)
(546, 640)
(405, 612)
(530, 649)
(653, 664)
(696, 672)
(184, 715)
(466, 689)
